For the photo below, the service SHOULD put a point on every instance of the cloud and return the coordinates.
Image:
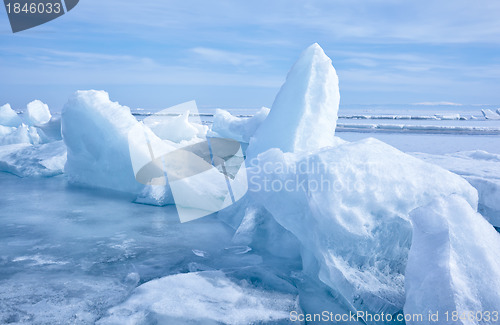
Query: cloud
(225, 57)
(437, 104)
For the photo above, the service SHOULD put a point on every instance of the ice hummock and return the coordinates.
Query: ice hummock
(208, 297)
(348, 206)
(304, 114)
(26, 160)
(453, 264)
(174, 123)
(226, 125)
(36, 126)
(95, 131)
(354, 237)
(490, 115)
(8, 117)
(37, 113)
(482, 170)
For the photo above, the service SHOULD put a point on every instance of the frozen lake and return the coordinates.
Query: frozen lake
(69, 254)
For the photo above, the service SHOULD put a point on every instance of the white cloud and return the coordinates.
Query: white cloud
(225, 57)
(437, 104)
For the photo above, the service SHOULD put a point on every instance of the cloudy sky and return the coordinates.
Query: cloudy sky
(235, 53)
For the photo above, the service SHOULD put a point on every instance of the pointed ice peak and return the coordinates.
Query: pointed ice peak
(304, 113)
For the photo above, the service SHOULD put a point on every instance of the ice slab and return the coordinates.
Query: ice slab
(348, 206)
(490, 115)
(304, 114)
(453, 264)
(425, 129)
(482, 170)
(202, 298)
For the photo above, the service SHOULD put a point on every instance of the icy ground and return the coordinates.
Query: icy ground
(68, 254)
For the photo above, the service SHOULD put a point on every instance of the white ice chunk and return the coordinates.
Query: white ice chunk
(490, 115)
(176, 124)
(207, 297)
(226, 125)
(96, 132)
(348, 206)
(8, 117)
(37, 113)
(453, 265)
(304, 114)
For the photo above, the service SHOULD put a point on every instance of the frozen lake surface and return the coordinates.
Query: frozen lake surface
(69, 253)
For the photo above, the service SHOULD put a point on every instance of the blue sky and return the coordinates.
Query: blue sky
(234, 53)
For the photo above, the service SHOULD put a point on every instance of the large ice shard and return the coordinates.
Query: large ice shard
(349, 207)
(304, 114)
(453, 265)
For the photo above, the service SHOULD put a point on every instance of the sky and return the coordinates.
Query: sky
(235, 54)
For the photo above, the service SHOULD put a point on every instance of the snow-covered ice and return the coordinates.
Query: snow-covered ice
(26, 160)
(453, 264)
(304, 113)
